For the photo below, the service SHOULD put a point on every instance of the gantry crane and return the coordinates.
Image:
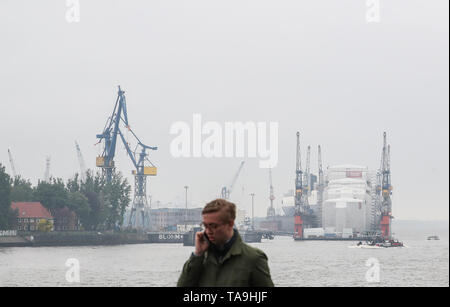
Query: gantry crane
(226, 191)
(376, 209)
(299, 198)
(307, 176)
(13, 167)
(320, 189)
(81, 162)
(138, 158)
(303, 216)
(386, 191)
(271, 209)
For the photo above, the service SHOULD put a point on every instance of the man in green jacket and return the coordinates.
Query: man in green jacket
(221, 258)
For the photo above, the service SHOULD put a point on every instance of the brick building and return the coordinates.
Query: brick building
(65, 220)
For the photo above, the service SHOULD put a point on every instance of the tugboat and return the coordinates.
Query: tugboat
(379, 242)
(248, 233)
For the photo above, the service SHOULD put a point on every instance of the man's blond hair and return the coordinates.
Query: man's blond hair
(227, 208)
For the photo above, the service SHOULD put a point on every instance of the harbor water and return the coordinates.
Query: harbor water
(292, 263)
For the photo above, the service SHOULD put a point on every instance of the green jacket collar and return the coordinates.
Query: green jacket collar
(236, 249)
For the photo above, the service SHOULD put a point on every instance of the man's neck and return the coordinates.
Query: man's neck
(229, 239)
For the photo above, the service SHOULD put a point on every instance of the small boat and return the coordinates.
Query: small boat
(251, 236)
(433, 237)
(365, 246)
(379, 243)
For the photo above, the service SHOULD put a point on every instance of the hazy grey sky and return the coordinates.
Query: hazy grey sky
(314, 66)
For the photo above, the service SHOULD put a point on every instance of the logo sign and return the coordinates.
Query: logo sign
(73, 273)
(229, 140)
(354, 174)
(373, 11)
(373, 273)
(73, 11)
(8, 233)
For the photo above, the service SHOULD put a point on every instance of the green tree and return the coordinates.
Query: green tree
(7, 215)
(97, 212)
(52, 195)
(98, 205)
(79, 204)
(117, 198)
(73, 185)
(92, 189)
(92, 183)
(21, 190)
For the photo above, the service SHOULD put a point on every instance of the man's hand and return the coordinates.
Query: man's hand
(201, 244)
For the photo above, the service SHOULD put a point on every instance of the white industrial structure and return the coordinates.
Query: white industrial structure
(348, 201)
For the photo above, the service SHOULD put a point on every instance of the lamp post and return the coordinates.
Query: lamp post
(185, 212)
(253, 216)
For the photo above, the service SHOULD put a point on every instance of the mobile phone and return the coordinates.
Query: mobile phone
(206, 237)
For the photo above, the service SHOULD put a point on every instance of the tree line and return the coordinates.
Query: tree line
(98, 205)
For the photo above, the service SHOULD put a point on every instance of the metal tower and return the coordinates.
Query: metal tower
(299, 205)
(253, 211)
(47, 170)
(138, 158)
(271, 209)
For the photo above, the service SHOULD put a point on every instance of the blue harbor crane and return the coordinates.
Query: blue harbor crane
(226, 191)
(138, 157)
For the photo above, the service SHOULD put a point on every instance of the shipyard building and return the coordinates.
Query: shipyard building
(347, 208)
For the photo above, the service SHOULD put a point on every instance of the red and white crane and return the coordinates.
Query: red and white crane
(386, 191)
